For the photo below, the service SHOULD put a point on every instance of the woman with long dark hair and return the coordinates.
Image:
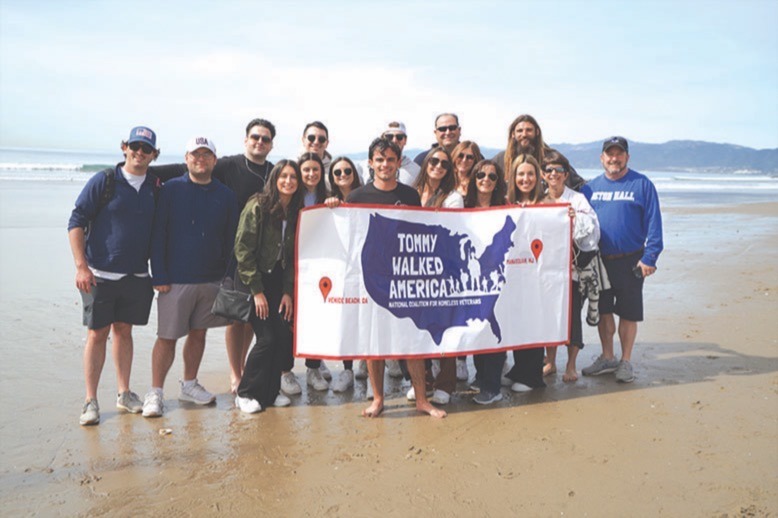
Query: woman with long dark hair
(486, 189)
(343, 179)
(265, 243)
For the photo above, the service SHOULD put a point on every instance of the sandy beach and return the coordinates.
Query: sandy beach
(696, 434)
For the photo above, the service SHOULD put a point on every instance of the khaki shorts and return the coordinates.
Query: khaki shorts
(186, 307)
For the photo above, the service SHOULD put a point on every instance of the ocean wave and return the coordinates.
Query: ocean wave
(28, 166)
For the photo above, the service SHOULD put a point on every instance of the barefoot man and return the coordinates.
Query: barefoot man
(384, 159)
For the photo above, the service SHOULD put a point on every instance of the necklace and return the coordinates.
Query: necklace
(262, 176)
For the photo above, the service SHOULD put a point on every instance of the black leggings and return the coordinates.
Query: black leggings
(262, 374)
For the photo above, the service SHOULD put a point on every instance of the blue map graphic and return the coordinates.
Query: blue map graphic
(432, 275)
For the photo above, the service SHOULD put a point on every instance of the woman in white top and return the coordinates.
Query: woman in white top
(524, 189)
(436, 184)
(312, 170)
(586, 236)
(343, 179)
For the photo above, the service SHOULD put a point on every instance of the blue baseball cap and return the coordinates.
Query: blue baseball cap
(144, 135)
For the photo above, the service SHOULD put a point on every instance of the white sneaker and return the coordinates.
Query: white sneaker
(247, 405)
(90, 414)
(393, 366)
(195, 393)
(462, 373)
(411, 394)
(520, 387)
(440, 397)
(505, 381)
(289, 384)
(152, 404)
(314, 379)
(361, 371)
(344, 382)
(282, 400)
(325, 371)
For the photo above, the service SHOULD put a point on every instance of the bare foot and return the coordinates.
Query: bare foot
(549, 368)
(427, 408)
(374, 410)
(570, 375)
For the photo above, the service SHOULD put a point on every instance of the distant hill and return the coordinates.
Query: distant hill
(675, 155)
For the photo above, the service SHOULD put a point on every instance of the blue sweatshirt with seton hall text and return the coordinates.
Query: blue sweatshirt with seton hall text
(194, 232)
(119, 235)
(628, 210)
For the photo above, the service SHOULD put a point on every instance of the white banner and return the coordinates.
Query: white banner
(379, 281)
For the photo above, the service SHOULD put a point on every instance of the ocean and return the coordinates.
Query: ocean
(675, 188)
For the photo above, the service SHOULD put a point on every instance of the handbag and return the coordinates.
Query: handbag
(231, 302)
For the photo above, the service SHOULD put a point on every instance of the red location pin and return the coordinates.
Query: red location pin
(537, 247)
(325, 285)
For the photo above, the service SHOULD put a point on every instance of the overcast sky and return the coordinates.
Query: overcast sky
(80, 74)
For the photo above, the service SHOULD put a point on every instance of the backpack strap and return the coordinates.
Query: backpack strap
(109, 189)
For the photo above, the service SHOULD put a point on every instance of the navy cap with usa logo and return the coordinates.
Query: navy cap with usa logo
(144, 135)
(619, 142)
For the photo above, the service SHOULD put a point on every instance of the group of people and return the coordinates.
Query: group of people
(232, 219)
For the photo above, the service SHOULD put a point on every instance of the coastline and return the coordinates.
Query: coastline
(694, 435)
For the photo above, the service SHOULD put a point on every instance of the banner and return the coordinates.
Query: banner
(380, 281)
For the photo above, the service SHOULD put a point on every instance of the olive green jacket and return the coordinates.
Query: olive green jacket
(257, 246)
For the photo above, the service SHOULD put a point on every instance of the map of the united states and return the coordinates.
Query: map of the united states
(434, 276)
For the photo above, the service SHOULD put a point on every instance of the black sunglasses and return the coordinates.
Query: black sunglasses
(261, 138)
(135, 146)
(434, 161)
(466, 156)
(312, 139)
(560, 170)
(345, 171)
(480, 175)
(395, 136)
(451, 127)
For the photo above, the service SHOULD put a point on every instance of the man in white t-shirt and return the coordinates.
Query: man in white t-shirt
(110, 236)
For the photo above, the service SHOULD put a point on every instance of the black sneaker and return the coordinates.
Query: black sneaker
(486, 398)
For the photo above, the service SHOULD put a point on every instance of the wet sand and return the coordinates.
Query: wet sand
(695, 435)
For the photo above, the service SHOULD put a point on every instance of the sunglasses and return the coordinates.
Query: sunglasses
(552, 170)
(147, 149)
(480, 175)
(312, 138)
(346, 171)
(443, 163)
(443, 129)
(395, 136)
(261, 138)
(466, 156)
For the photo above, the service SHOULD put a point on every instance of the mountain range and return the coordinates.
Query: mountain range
(675, 155)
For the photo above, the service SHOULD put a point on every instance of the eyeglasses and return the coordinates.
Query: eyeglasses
(443, 129)
(201, 155)
(557, 170)
(395, 136)
(147, 149)
(346, 171)
(480, 175)
(443, 163)
(312, 138)
(261, 138)
(465, 156)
